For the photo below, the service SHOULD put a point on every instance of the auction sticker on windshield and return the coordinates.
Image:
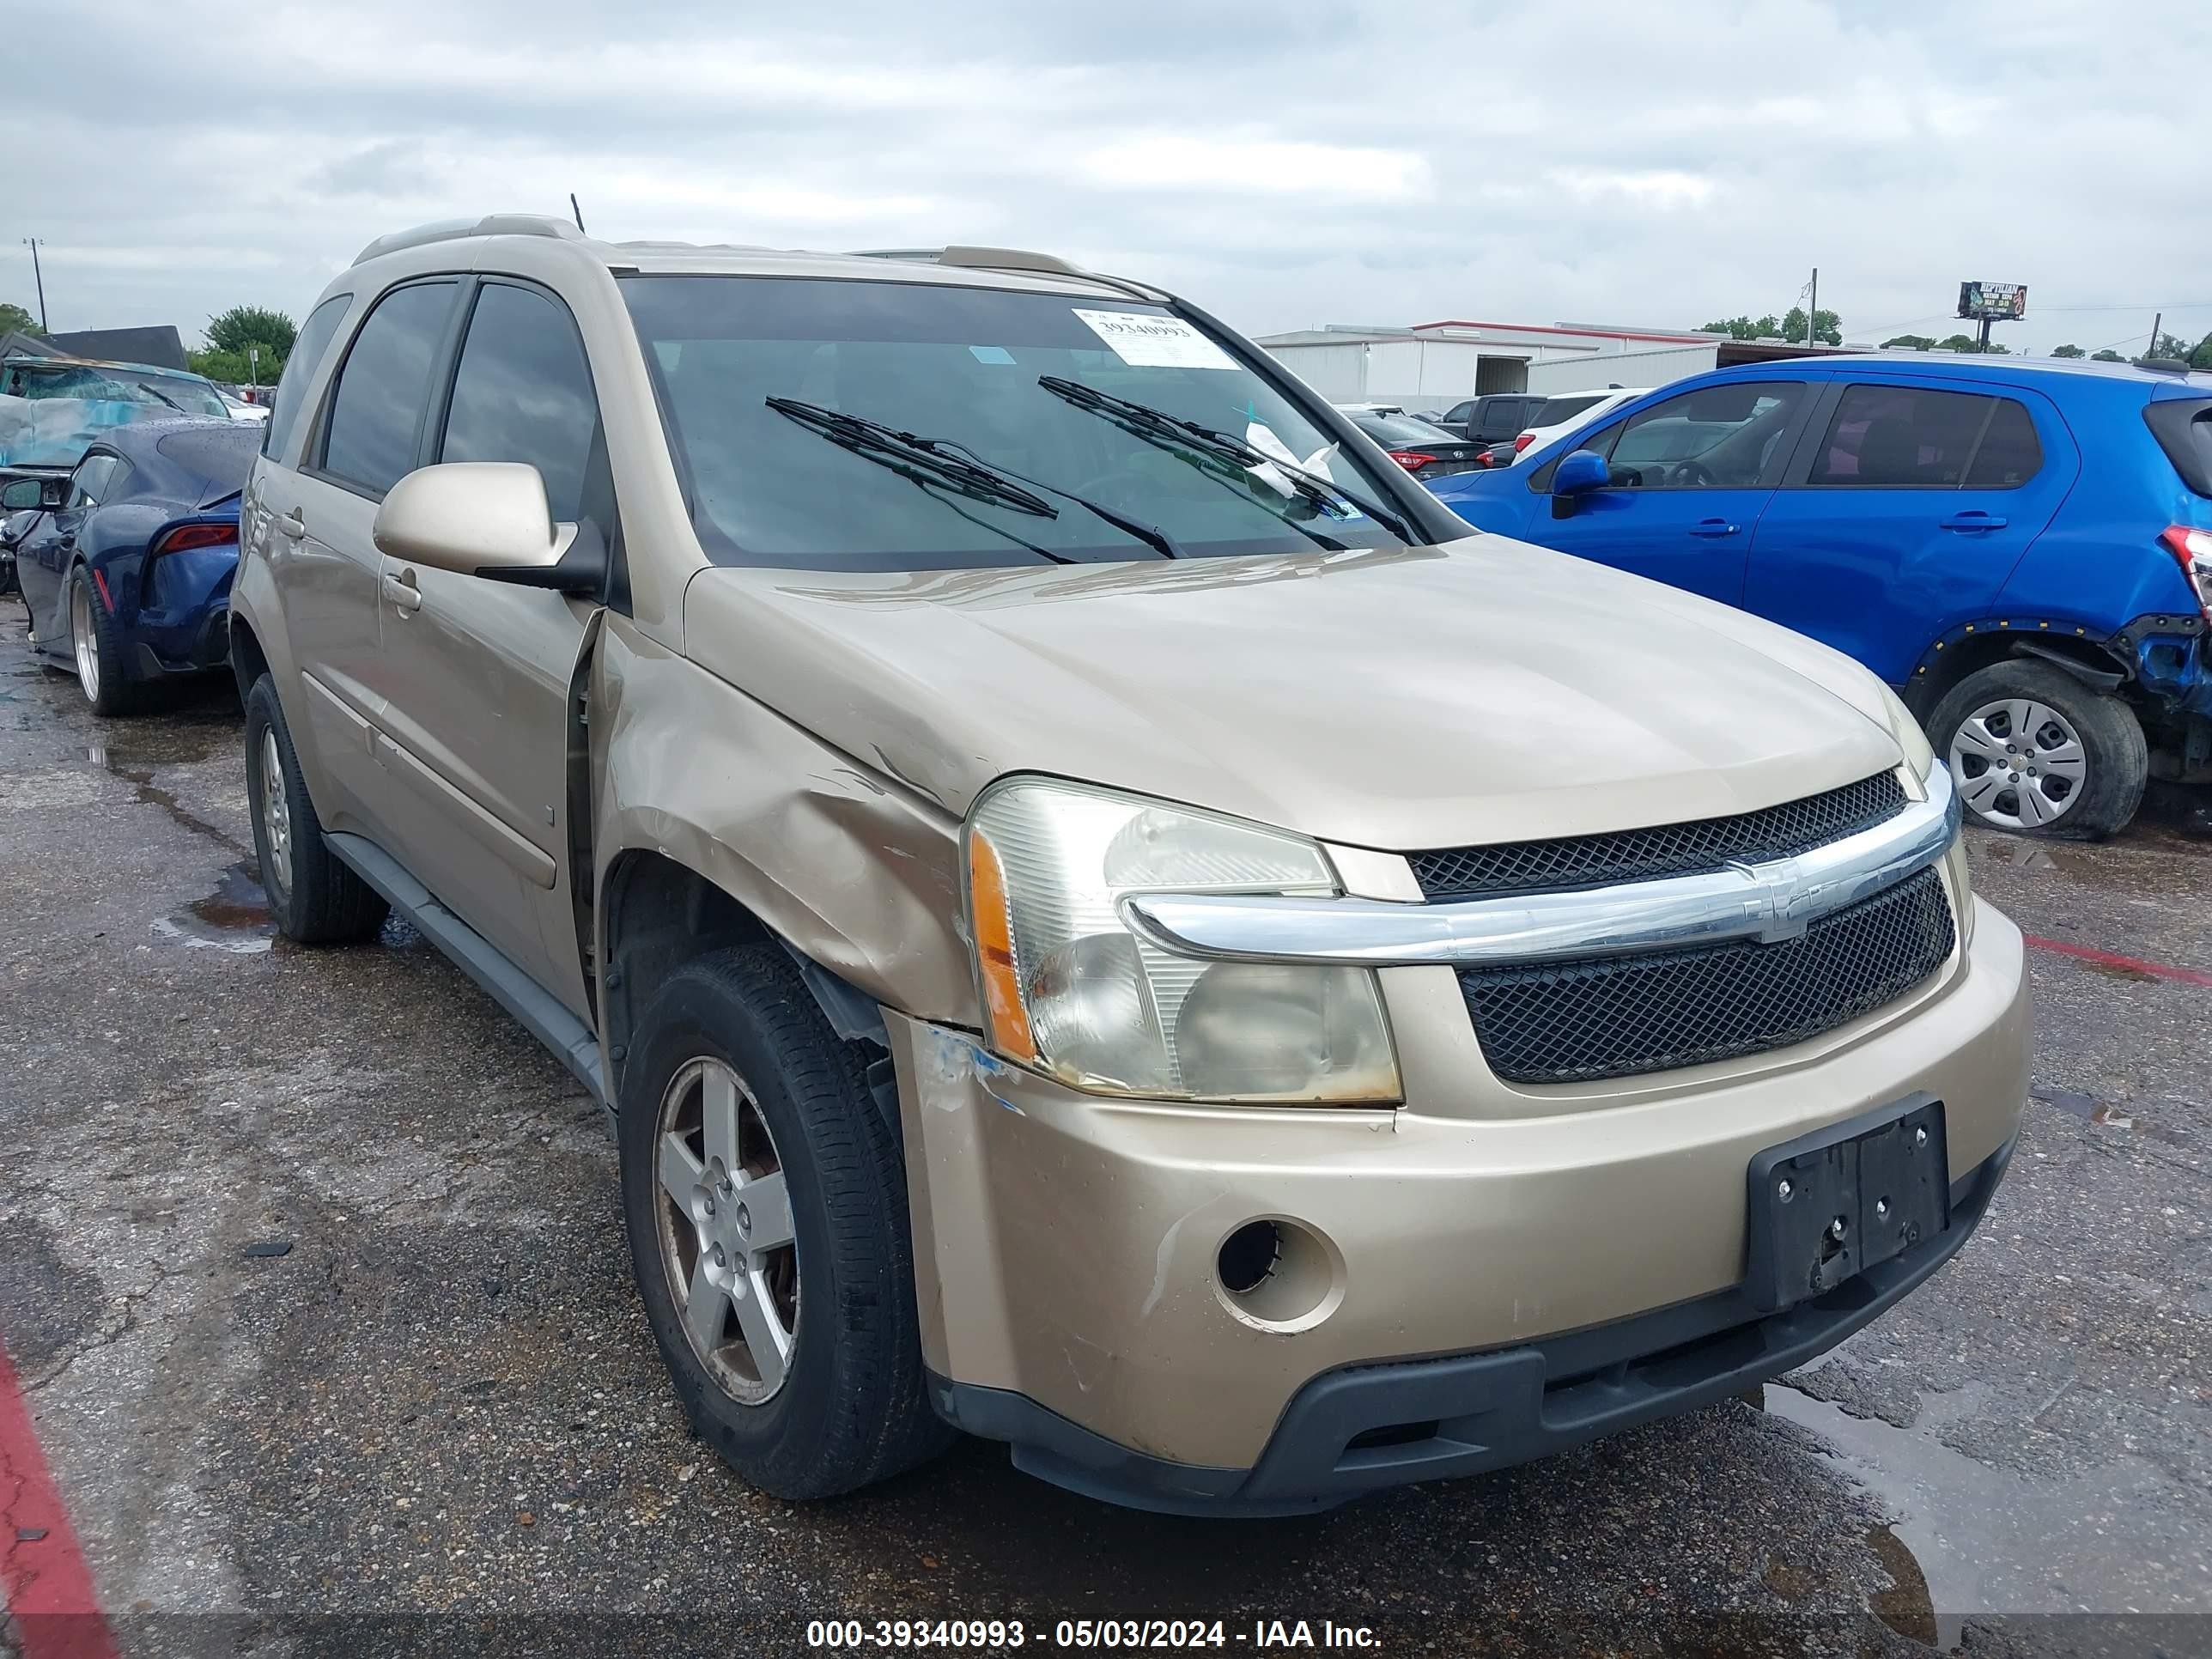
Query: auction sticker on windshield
(1149, 340)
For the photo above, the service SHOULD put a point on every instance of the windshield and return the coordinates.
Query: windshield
(780, 485)
(123, 385)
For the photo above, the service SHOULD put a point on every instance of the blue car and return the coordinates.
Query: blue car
(2022, 549)
(126, 572)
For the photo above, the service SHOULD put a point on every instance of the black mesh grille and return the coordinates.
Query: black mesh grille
(1571, 1022)
(1671, 849)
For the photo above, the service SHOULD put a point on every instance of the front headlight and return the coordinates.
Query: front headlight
(1069, 990)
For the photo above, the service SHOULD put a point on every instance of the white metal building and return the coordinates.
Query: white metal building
(1431, 365)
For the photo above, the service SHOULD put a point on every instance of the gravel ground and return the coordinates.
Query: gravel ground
(436, 1422)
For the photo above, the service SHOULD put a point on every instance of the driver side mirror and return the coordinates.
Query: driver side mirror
(34, 494)
(1579, 472)
(486, 519)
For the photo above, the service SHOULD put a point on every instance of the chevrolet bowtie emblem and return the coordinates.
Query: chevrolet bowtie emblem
(1780, 897)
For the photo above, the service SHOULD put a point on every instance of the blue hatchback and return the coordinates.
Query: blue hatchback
(2022, 549)
(127, 572)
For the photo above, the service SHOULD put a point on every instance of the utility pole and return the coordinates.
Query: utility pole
(1812, 311)
(39, 277)
(2157, 324)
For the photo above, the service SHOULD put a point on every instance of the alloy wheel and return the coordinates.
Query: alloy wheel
(84, 643)
(727, 1243)
(2018, 764)
(275, 816)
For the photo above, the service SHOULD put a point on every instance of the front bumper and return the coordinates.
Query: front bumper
(1366, 1427)
(1066, 1245)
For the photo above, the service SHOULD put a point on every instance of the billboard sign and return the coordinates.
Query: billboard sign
(2001, 302)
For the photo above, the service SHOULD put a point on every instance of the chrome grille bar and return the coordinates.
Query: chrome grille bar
(1773, 900)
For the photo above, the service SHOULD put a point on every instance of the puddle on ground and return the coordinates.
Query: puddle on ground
(120, 763)
(1973, 1539)
(232, 918)
(1907, 1605)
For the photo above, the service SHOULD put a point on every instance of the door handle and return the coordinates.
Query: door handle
(402, 593)
(1972, 518)
(1712, 527)
(292, 525)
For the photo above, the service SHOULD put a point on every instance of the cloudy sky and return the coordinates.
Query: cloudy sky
(1285, 164)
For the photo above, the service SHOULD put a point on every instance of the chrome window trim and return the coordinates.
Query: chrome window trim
(1771, 901)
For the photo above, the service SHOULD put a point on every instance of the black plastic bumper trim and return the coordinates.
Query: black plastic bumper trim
(1466, 1414)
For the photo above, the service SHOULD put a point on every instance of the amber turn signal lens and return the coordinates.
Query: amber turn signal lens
(994, 951)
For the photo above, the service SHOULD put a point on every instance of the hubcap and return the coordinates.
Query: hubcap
(275, 816)
(726, 1240)
(86, 647)
(2020, 764)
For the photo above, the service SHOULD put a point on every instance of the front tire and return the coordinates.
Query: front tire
(2034, 751)
(96, 650)
(313, 898)
(765, 1201)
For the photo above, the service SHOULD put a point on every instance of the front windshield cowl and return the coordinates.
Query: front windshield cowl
(777, 392)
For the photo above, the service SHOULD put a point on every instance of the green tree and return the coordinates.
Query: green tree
(2107, 355)
(1827, 327)
(2068, 351)
(1908, 342)
(245, 343)
(2200, 356)
(244, 326)
(233, 368)
(2167, 345)
(1960, 342)
(13, 319)
(1742, 328)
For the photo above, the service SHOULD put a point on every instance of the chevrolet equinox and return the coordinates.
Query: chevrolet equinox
(1104, 917)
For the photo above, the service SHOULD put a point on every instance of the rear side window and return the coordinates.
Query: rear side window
(315, 337)
(2182, 427)
(89, 483)
(1899, 437)
(2010, 454)
(1556, 410)
(376, 424)
(523, 393)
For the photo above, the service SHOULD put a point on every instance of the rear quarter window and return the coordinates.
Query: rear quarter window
(2182, 427)
(307, 352)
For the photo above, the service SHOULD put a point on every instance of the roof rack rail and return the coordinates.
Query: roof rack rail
(492, 224)
(968, 258)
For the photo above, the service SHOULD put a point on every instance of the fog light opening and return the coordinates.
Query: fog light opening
(1278, 1275)
(1248, 1256)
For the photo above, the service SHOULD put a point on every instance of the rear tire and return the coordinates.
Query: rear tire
(97, 651)
(793, 1343)
(313, 898)
(2034, 751)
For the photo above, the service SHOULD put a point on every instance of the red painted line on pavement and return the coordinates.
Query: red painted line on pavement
(2106, 959)
(45, 1588)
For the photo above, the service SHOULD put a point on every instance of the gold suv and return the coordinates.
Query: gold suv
(1106, 918)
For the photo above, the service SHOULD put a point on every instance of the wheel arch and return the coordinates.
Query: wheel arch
(657, 913)
(248, 661)
(1967, 648)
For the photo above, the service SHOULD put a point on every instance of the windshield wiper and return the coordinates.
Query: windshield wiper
(962, 469)
(1162, 427)
(902, 450)
(164, 396)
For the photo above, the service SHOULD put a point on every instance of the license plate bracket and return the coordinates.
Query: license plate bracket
(1830, 1205)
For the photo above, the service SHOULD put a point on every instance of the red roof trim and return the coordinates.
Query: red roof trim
(1686, 338)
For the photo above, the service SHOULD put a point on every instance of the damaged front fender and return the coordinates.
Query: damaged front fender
(850, 869)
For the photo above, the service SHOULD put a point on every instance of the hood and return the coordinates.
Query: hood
(1485, 690)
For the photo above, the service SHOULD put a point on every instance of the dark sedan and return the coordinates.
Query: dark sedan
(126, 571)
(1425, 451)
